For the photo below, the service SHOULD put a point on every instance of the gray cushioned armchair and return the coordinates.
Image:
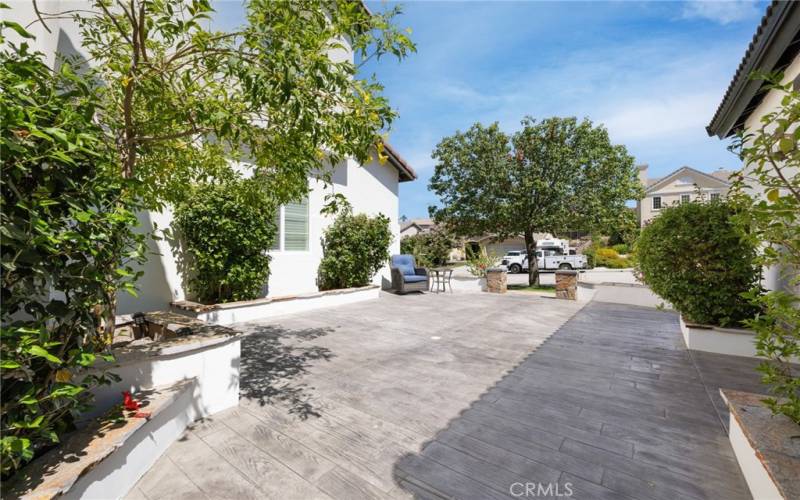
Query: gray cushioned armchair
(406, 276)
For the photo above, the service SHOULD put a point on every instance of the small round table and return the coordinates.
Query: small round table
(440, 279)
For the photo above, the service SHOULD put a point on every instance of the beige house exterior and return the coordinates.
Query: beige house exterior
(412, 227)
(681, 186)
(775, 48)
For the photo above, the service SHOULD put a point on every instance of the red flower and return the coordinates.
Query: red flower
(128, 402)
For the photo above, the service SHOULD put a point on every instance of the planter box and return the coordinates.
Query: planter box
(766, 447)
(210, 355)
(192, 374)
(730, 341)
(268, 307)
(106, 458)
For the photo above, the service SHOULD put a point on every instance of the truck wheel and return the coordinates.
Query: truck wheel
(565, 266)
(515, 268)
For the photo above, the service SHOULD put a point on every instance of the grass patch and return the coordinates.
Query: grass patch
(534, 288)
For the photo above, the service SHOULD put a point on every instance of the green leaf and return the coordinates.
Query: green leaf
(786, 145)
(42, 353)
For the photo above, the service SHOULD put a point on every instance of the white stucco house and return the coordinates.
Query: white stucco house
(371, 188)
(681, 186)
(775, 47)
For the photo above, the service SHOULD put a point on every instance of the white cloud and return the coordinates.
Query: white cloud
(722, 12)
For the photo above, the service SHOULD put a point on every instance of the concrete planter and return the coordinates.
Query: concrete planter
(251, 310)
(763, 445)
(730, 341)
(192, 374)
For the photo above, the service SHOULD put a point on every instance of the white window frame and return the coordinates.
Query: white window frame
(660, 204)
(714, 196)
(686, 198)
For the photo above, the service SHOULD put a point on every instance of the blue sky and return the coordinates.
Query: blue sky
(652, 72)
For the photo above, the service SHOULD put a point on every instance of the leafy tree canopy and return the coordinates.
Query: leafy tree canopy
(554, 175)
(182, 99)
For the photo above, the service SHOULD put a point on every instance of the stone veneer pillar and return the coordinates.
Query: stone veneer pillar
(567, 285)
(496, 280)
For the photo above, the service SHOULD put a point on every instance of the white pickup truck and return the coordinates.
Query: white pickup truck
(548, 258)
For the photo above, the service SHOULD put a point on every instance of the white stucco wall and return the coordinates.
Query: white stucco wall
(773, 277)
(371, 189)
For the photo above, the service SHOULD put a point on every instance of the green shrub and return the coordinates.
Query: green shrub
(621, 248)
(227, 227)
(429, 249)
(606, 253)
(692, 256)
(68, 240)
(479, 262)
(354, 248)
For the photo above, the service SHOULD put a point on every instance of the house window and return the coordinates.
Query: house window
(656, 203)
(685, 198)
(292, 223)
(714, 196)
(295, 226)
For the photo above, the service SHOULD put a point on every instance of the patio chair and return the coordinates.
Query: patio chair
(406, 276)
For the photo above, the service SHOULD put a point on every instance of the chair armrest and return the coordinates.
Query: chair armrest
(397, 277)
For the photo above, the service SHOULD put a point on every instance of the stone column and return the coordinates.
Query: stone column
(567, 285)
(496, 280)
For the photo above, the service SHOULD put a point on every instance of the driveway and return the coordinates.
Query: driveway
(436, 396)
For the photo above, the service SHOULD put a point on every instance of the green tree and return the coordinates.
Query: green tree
(768, 194)
(429, 249)
(184, 103)
(181, 99)
(554, 175)
(67, 245)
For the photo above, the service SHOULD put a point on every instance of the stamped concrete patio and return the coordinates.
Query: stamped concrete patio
(442, 396)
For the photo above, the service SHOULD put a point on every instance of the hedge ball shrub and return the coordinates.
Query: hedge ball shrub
(354, 248)
(692, 256)
(228, 228)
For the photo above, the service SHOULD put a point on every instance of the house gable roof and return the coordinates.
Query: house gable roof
(683, 171)
(774, 46)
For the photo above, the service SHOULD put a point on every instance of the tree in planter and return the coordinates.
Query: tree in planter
(228, 228)
(67, 246)
(768, 195)
(429, 249)
(354, 248)
(555, 175)
(693, 256)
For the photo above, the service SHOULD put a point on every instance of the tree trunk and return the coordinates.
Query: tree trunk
(533, 262)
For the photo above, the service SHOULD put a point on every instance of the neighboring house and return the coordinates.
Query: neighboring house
(371, 188)
(775, 48)
(416, 226)
(681, 186)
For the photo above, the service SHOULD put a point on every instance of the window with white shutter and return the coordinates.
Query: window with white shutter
(295, 226)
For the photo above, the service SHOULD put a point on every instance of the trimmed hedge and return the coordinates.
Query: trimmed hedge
(354, 248)
(692, 256)
(228, 228)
